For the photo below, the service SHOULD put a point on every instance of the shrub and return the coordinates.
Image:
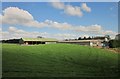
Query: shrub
(114, 43)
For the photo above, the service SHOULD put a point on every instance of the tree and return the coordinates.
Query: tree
(89, 38)
(84, 38)
(107, 36)
(114, 43)
(66, 40)
(79, 38)
(39, 37)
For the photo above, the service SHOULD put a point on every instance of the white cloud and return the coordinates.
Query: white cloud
(71, 10)
(92, 28)
(0, 19)
(58, 5)
(4, 35)
(12, 29)
(109, 32)
(0, 29)
(63, 26)
(65, 36)
(14, 15)
(85, 7)
(14, 32)
(0, 33)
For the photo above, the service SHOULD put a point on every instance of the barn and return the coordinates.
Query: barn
(84, 42)
(31, 41)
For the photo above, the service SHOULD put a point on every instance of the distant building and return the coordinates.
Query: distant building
(27, 41)
(99, 38)
(96, 41)
(117, 37)
(84, 42)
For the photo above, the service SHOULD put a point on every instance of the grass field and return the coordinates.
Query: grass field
(58, 60)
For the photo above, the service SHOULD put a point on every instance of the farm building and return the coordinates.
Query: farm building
(85, 42)
(117, 37)
(37, 41)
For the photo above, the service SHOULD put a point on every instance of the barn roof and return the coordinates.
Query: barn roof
(83, 41)
(39, 39)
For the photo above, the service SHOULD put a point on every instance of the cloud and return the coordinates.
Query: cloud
(58, 25)
(108, 32)
(65, 36)
(58, 5)
(0, 19)
(94, 30)
(85, 7)
(91, 28)
(14, 32)
(4, 34)
(15, 15)
(0, 32)
(71, 10)
(0, 29)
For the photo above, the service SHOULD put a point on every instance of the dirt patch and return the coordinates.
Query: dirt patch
(115, 50)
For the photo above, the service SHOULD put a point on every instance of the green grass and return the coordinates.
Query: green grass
(58, 60)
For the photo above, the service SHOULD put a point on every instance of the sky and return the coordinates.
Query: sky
(60, 20)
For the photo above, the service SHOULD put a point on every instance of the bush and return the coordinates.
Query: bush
(114, 43)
